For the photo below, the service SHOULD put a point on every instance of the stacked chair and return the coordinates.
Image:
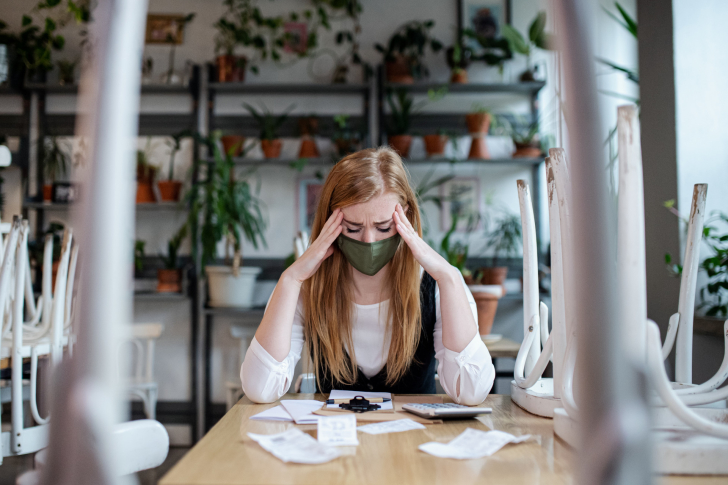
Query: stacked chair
(47, 332)
(688, 421)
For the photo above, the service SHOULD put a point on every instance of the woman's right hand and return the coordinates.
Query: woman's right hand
(308, 263)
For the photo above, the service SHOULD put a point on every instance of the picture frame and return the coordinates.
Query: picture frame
(483, 16)
(307, 197)
(296, 37)
(460, 195)
(164, 29)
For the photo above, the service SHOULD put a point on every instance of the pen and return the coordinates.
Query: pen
(346, 401)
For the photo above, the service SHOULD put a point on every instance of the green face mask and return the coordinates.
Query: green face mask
(368, 258)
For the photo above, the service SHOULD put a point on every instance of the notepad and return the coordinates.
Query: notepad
(336, 394)
(298, 411)
(277, 413)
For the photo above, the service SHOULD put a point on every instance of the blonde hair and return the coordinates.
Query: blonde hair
(328, 307)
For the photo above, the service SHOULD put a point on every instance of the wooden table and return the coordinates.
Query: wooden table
(226, 456)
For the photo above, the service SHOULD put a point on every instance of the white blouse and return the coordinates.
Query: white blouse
(264, 379)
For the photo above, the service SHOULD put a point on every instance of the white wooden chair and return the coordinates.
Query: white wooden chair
(46, 333)
(141, 383)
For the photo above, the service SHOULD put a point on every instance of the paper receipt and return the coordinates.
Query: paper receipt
(293, 445)
(472, 443)
(337, 430)
(391, 426)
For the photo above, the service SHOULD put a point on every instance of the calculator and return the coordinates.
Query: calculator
(444, 410)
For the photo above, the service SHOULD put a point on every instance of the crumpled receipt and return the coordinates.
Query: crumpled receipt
(472, 443)
(293, 445)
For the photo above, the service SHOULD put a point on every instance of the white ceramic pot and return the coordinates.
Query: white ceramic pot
(227, 290)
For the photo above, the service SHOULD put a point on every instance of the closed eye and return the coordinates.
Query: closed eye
(384, 230)
(352, 231)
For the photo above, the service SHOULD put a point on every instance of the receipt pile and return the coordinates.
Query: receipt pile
(472, 443)
(293, 445)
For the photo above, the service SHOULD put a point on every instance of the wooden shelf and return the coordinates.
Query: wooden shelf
(73, 88)
(152, 206)
(324, 161)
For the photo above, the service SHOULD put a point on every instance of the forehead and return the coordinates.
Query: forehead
(379, 208)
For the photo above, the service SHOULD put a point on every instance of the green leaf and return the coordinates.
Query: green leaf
(632, 74)
(535, 31)
(26, 21)
(515, 40)
(50, 25)
(631, 23)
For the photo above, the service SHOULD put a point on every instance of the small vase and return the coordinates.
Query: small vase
(487, 305)
(478, 148)
(234, 143)
(145, 193)
(308, 148)
(459, 77)
(478, 122)
(400, 144)
(47, 192)
(527, 151)
(494, 276)
(168, 281)
(435, 144)
(231, 68)
(271, 148)
(399, 71)
(169, 190)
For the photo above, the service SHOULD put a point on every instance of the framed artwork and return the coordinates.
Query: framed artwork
(307, 199)
(461, 198)
(165, 29)
(485, 17)
(296, 37)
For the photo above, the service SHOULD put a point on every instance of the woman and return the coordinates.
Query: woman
(371, 318)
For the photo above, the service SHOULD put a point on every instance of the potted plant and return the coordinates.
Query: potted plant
(525, 138)
(233, 28)
(537, 38)
(169, 190)
(435, 143)
(403, 56)
(233, 145)
(169, 278)
(225, 207)
(36, 249)
(146, 174)
(66, 72)
(504, 240)
(458, 59)
(493, 51)
(478, 121)
(346, 139)
(32, 48)
(56, 161)
(398, 135)
(269, 125)
(308, 127)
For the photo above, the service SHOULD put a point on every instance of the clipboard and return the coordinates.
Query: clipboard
(391, 415)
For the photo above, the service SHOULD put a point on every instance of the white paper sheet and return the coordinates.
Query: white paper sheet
(352, 394)
(277, 413)
(300, 410)
(391, 426)
(293, 445)
(338, 430)
(472, 443)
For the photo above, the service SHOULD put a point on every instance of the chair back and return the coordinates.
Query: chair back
(141, 338)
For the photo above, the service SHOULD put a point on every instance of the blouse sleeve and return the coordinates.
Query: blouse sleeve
(264, 379)
(472, 367)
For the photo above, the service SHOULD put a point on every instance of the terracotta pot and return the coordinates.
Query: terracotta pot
(478, 122)
(527, 76)
(231, 68)
(494, 276)
(145, 193)
(527, 151)
(399, 70)
(487, 305)
(168, 280)
(47, 192)
(459, 77)
(435, 144)
(169, 190)
(478, 149)
(400, 144)
(308, 125)
(308, 148)
(271, 148)
(234, 143)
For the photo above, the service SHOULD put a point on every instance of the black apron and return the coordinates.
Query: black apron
(420, 376)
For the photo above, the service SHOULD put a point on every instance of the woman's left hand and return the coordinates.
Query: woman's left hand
(428, 258)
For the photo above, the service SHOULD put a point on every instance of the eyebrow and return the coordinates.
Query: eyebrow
(359, 224)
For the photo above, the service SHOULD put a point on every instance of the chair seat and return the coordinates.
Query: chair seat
(43, 347)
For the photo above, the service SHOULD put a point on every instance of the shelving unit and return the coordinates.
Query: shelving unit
(35, 122)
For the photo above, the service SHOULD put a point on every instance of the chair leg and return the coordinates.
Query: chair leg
(152, 412)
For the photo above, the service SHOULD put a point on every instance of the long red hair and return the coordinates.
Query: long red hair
(328, 306)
